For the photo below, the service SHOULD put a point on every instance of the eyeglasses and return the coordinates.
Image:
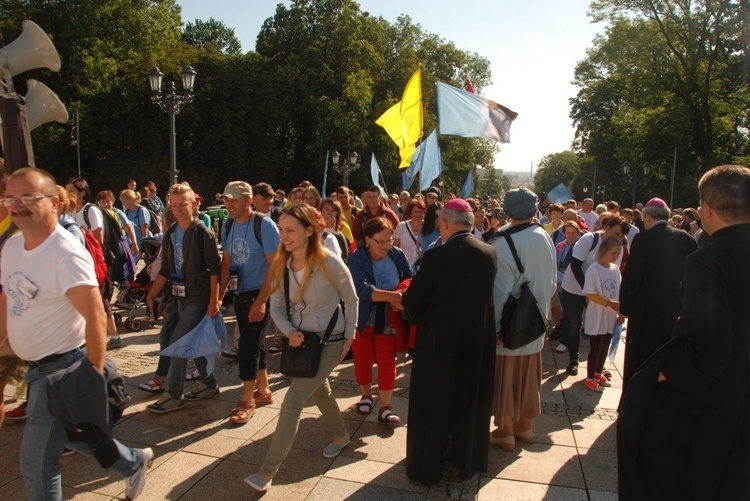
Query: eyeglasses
(382, 242)
(29, 200)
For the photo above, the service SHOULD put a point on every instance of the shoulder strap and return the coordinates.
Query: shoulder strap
(513, 250)
(408, 230)
(257, 230)
(86, 214)
(594, 241)
(286, 294)
(331, 323)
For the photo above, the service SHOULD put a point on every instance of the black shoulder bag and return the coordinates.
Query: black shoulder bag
(304, 360)
(522, 321)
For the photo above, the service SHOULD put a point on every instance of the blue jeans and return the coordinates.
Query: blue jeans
(44, 438)
(162, 368)
(188, 316)
(573, 306)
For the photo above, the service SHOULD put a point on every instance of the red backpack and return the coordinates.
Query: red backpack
(95, 250)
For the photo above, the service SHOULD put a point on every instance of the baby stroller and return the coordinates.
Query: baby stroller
(132, 295)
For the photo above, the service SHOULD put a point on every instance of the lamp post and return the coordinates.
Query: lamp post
(635, 180)
(587, 185)
(345, 166)
(75, 141)
(171, 102)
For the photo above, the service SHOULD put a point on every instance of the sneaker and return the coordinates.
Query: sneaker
(229, 354)
(275, 346)
(167, 403)
(135, 484)
(332, 450)
(593, 385)
(561, 348)
(603, 380)
(201, 392)
(17, 414)
(114, 343)
(257, 482)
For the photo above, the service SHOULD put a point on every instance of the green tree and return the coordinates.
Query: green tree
(557, 168)
(212, 35)
(490, 185)
(666, 74)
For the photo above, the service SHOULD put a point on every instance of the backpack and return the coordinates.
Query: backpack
(95, 250)
(154, 224)
(111, 230)
(343, 244)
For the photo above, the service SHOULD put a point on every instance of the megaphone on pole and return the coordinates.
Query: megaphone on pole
(32, 49)
(43, 105)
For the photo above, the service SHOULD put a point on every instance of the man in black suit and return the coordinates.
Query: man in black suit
(684, 426)
(651, 290)
(450, 300)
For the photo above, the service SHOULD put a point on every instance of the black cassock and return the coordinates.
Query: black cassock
(450, 398)
(689, 437)
(651, 291)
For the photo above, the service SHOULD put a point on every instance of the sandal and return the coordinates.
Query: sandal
(193, 374)
(572, 368)
(153, 386)
(261, 400)
(365, 405)
(386, 416)
(242, 413)
(607, 375)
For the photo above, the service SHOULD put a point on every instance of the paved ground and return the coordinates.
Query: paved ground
(201, 456)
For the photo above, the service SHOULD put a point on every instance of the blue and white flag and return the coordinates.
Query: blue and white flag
(375, 174)
(432, 162)
(461, 113)
(409, 174)
(468, 188)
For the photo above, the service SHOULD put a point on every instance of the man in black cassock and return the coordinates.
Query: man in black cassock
(450, 300)
(684, 425)
(651, 290)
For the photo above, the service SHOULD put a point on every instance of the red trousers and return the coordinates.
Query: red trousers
(370, 348)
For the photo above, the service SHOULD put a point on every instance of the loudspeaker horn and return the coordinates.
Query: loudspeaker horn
(43, 105)
(32, 49)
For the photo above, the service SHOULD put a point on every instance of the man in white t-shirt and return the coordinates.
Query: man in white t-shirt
(51, 312)
(588, 214)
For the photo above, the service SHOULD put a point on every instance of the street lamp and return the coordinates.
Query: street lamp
(626, 171)
(75, 141)
(171, 102)
(345, 166)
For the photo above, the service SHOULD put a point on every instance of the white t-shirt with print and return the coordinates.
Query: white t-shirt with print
(605, 282)
(582, 253)
(41, 319)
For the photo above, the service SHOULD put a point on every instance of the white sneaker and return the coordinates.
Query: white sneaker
(561, 348)
(135, 484)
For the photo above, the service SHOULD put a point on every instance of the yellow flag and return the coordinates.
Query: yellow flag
(403, 120)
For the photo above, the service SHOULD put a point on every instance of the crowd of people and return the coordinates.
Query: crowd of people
(428, 275)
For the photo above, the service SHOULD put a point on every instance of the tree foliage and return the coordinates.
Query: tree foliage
(666, 74)
(212, 35)
(322, 71)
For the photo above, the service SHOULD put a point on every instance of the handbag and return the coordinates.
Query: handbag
(522, 321)
(304, 360)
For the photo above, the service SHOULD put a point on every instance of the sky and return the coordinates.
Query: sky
(533, 47)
